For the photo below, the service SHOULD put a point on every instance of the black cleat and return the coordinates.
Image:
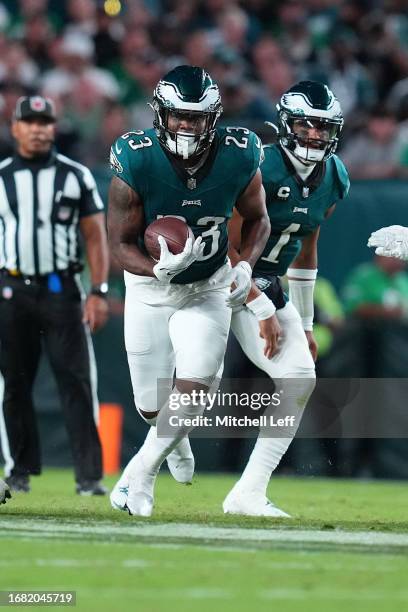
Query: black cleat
(90, 487)
(19, 484)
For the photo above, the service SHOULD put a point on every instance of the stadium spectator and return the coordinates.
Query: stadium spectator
(378, 289)
(375, 152)
(46, 199)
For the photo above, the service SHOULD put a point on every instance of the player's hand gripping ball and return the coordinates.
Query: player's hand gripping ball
(174, 231)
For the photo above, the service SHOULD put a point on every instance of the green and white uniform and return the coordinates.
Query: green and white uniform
(183, 325)
(296, 209)
(205, 200)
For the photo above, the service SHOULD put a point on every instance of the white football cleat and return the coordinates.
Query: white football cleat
(139, 500)
(251, 503)
(181, 462)
(118, 496)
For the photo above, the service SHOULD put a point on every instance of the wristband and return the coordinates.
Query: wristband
(262, 307)
(301, 274)
(246, 266)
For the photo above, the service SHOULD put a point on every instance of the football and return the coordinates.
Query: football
(174, 231)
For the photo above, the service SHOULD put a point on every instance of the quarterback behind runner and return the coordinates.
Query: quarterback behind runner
(178, 310)
(303, 180)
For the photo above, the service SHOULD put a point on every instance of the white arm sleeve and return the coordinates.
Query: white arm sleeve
(301, 294)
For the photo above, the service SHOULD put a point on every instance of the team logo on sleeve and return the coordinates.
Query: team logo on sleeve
(114, 162)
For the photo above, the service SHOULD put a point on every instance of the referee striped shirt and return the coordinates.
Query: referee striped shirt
(41, 204)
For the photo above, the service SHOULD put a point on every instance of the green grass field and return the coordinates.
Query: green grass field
(346, 546)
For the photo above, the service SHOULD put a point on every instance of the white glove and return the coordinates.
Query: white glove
(4, 492)
(170, 265)
(390, 241)
(241, 277)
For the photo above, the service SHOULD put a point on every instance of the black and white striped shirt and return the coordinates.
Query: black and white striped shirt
(41, 204)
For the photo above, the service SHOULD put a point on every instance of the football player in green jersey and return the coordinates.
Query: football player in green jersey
(177, 311)
(303, 180)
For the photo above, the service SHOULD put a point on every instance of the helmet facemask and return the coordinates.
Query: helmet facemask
(310, 121)
(184, 133)
(311, 139)
(187, 105)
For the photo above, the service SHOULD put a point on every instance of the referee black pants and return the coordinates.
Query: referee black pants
(32, 318)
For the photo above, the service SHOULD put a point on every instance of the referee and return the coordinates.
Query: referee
(45, 200)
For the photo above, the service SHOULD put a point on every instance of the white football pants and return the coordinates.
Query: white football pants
(169, 329)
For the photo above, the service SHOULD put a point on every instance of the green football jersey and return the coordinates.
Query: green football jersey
(295, 208)
(204, 200)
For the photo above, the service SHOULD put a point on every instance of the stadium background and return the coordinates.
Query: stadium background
(101, 70)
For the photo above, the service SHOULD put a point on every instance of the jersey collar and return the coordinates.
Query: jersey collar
(192, 180)
(313, 181)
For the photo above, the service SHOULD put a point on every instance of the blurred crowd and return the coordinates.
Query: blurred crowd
(101, 67)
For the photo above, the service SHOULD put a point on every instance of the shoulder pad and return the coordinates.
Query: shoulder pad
(126, 155)
(273, 167)
(244, 146)
(342, 176)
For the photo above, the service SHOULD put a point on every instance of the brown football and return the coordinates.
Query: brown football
(174, 231)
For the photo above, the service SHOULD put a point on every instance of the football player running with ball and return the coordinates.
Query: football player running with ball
(178, 310)
(303, 180)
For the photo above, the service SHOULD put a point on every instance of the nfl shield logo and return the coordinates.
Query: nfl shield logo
(191, 183)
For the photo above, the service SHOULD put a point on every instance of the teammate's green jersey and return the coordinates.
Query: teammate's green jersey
(295, 208)
(204, 200)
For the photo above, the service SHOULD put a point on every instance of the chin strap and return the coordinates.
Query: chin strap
(301, 288)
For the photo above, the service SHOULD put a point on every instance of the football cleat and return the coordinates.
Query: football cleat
(4, 492)
(141, 487)
(118, 497)
(251, 503)
(181, 462)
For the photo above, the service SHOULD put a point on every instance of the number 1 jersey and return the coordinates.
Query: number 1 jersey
(295, 208)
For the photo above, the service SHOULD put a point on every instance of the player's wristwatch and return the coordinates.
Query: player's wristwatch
(100, 290)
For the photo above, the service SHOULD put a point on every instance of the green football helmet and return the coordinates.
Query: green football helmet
(309, 108)
(187, 105)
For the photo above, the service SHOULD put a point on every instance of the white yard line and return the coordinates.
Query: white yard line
(199, 534)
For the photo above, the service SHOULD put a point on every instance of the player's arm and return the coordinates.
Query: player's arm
(301, 278)
(261, 306)
(126, 224)
(256, 227)
(93, 231)
(254, 234)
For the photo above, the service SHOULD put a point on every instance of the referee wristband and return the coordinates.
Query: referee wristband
(262, 307)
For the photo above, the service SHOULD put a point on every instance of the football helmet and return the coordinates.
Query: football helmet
(187, 105)
(310, 121)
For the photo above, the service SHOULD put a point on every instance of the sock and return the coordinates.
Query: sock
(268, 451)
(158, 447)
